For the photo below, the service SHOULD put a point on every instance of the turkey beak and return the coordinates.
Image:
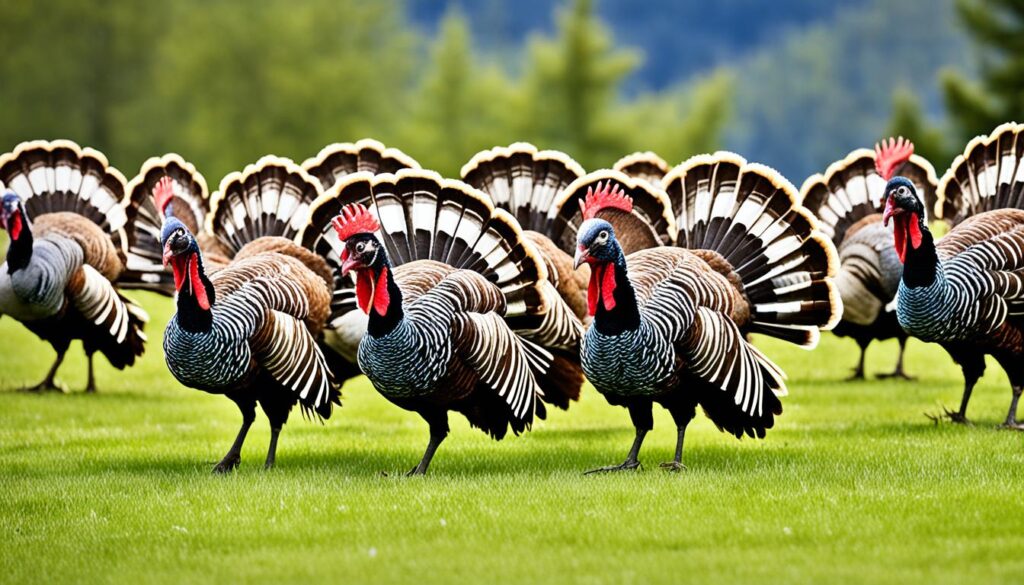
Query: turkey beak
(581, 256)
(890, 210)
(167, 253)
(348, 265)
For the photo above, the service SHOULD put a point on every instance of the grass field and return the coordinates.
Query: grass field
(853, 485)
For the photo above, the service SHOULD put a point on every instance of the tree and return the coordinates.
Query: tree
(570, 85)
(908, 120)
(461, 106)
(997, 27)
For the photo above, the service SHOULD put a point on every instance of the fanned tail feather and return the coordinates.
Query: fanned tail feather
(651, 222)
(987, 176)
(190, 204)
(751, 216)
(59, 175)
(337, 160)
(522, 180)
(643, 165)
(269, 198)
(852, 189)
(423, 216)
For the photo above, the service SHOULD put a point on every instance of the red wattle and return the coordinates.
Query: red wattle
(594, 289)
(198, 288)
(381, 297)
(364, 289)
(14, 227)
(180, 266)
(608, 287)
(914, 227)
(899, 234)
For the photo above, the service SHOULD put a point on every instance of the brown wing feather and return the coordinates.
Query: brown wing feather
(96, 244)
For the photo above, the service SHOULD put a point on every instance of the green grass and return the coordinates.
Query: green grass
(853, 485)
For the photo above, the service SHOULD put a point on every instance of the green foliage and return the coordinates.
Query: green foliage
(997, 27)
(225, 82)
(908, 120)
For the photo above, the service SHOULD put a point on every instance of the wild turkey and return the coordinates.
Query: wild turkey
(251, 330)
(337, 160)
(966, 291)
(670, 322)
(190, 201)
(847, 201)
(526, 182)
(444, 278)
(71, 245)
(643, 165)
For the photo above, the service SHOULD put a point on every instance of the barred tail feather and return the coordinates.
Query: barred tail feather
(337, 160)
(851, 189)
(750, 215)
(650, 224)
(190, 204)
(423, 216)
(59, 175)
(987, 176)
(269, 198)
(643, 165)
(522, 180)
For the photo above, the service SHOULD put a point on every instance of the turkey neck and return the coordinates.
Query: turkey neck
(380, 324)
(19, 253)
(922, 263)
(625, 314)
(193, 316)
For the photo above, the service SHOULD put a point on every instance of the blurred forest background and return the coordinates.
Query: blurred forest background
(791, 83)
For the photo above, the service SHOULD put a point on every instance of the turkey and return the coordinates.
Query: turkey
(337, 160)
(966, 291)
(526, 182)
(643, 165)
(445, 279)
(190, 201)
(847, 200)
(670, 323)
(71, 247)
(251, 331)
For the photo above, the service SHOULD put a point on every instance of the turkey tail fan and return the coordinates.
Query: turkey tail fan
(522, 180)
(269, 198)
(650, 224)
(190, 204)
(643, 165)
(851, 189)
(751, 216)
(60, 176)
(337, 160)
(425, 217)
(988, 175)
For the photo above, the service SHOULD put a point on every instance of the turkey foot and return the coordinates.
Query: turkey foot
(897, 373)
(625, 465)
(229, 463)
(673, 466)
(46, 386)
(952, 415)
(1012, 425)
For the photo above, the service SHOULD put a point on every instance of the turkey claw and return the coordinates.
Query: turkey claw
(952, 415)
(624, 466)
(673, 466)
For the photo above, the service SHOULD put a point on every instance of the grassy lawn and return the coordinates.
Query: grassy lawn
(853, 485)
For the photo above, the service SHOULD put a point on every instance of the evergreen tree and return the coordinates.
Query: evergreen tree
(997, 26)
(908, 120)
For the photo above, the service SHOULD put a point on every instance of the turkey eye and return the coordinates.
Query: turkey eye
(602, 236)
(179, 232)
(360, 247)
(902, 190)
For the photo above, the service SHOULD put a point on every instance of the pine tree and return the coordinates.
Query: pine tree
(908, 120)
(997, 27)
